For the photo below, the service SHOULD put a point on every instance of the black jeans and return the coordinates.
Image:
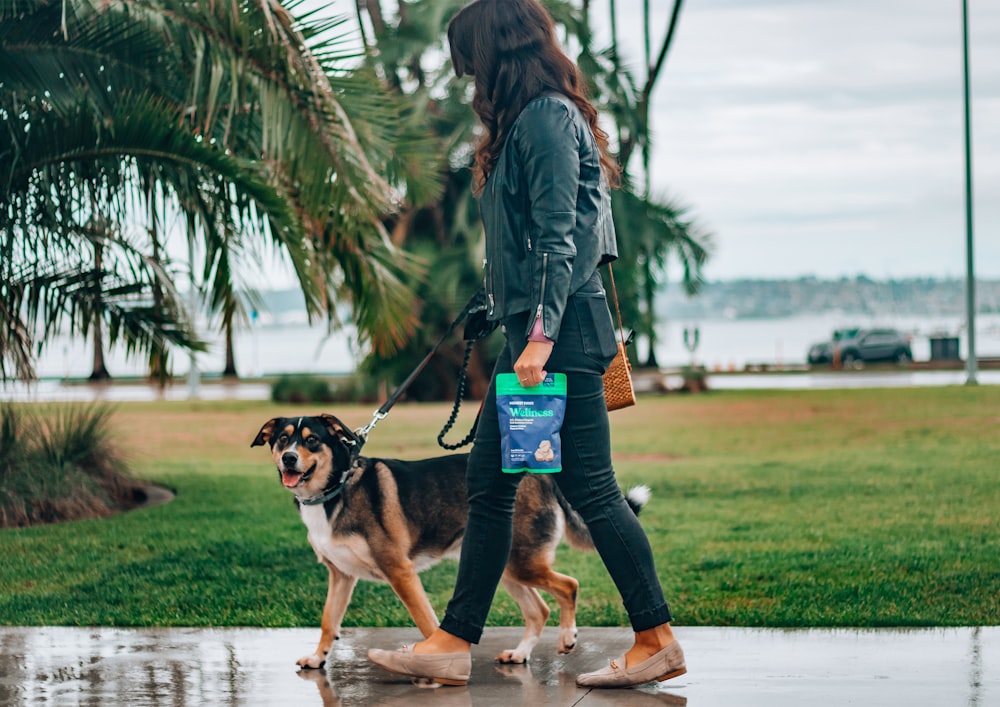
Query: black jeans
(586, 345)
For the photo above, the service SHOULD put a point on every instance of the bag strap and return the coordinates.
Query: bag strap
(614, 296)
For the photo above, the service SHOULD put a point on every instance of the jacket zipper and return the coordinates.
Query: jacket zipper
(545, 269)
(489, 285)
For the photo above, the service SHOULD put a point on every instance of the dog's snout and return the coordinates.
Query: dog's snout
(289, 459)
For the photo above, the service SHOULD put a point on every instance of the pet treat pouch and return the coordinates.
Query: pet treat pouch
(530, 420)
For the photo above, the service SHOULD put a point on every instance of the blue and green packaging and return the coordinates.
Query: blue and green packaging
(530, 420)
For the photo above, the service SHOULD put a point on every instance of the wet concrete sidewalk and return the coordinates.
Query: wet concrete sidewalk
(727, 666)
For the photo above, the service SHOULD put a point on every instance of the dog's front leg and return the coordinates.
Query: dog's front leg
(536, 613)
(338, 595)
(406, 583)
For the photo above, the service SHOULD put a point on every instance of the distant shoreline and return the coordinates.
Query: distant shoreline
(667, 379)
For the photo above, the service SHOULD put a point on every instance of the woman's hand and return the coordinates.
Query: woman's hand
(530, 365)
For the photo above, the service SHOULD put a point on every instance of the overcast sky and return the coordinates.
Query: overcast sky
(825, 137)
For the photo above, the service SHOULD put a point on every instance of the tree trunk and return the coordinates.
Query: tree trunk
(377, 18)
(227, 323)
(655, 69)
(157, 355)
(100, 371)
(650, 294)
(359, 7)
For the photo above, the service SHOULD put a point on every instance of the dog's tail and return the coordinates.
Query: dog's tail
(577, 533)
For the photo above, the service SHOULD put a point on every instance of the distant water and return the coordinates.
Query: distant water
(731, 344)
(261, 351)
(723, 344)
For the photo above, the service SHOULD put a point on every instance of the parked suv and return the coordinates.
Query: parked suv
(859, 346)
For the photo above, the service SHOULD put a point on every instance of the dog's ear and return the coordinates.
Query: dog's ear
(264, 436)
(343, 454)
(334, 426)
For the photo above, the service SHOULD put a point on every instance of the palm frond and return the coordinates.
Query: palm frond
(223, 111)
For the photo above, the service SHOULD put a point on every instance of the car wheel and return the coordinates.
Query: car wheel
(851, 360)
(903, 358)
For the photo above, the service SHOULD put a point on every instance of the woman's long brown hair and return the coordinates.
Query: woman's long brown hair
(510, 49)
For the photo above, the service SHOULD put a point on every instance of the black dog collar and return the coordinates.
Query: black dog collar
(354, 443)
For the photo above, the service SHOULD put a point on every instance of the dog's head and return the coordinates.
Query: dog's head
(308, 451)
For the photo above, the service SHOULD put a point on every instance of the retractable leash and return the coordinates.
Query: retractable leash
(477, 328)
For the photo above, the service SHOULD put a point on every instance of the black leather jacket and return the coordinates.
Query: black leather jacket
(547, 214)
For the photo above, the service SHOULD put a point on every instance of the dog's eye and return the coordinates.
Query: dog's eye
(312, 442)
(282, 440)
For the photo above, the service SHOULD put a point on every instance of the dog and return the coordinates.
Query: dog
(389, 519)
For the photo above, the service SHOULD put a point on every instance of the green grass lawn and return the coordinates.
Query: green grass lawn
(769, 508)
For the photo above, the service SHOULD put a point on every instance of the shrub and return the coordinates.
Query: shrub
(301, 389)
(311, 389)
(61, 467)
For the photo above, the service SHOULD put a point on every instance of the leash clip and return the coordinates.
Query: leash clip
(363, 431)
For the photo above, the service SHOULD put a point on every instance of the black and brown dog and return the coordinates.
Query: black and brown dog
(388, 519)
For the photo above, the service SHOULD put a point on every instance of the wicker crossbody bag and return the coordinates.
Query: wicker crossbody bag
(618, 390)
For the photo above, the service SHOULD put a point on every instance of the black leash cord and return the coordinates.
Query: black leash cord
(459, 394)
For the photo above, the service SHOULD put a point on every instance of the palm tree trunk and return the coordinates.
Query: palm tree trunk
(157, 356)
(613, 10)
(99, 371)
(227, 323)
(655, 70)
(649, 294)
(377, 18)
(359, 6)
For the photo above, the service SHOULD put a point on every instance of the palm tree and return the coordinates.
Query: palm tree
(227, 115)
(651, 229)
(438, 223)
(444, 231)
(657, 231)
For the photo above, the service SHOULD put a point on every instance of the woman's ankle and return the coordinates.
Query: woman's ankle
(657, 637)
(441, 641)
(648, 643)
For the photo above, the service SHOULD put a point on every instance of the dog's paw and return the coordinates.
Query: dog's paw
(567, 641)
(311, 662)
(513, 656)
(425, 683)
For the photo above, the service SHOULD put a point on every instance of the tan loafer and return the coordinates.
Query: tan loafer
(668, 663)
(445, 668)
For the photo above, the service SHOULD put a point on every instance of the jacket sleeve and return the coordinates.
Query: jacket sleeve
(548, 146)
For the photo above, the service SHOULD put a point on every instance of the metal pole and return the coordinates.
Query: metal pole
(970, 278)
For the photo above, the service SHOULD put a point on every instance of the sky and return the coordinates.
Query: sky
(824, 137)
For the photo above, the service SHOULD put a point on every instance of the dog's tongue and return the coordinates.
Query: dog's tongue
(290, 479)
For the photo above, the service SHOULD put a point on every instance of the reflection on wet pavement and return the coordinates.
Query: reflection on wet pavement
(727, 666)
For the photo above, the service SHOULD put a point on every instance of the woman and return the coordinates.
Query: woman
(542, 172)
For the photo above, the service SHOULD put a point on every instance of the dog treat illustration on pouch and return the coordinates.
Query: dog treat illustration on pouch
(530, 419)
(544, 452)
